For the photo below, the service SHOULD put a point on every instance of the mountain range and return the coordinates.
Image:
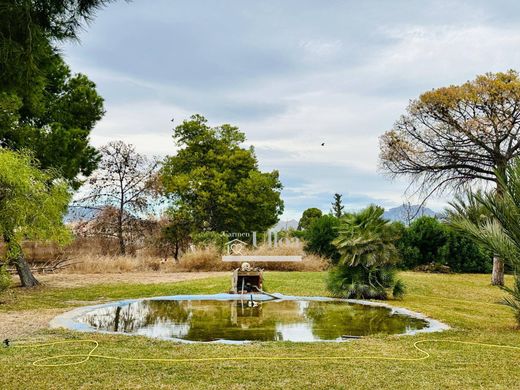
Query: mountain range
(407, 213)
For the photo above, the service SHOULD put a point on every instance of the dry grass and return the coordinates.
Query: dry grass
(202, 259)
(95, 256)
(209, 259)
(91, 264)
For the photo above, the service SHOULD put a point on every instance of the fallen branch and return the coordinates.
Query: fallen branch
(48, 267)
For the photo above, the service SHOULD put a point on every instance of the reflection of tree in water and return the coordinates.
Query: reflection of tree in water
(162, 311)
(230, 320)
(131, 317)
(331, 320)
(236, 320)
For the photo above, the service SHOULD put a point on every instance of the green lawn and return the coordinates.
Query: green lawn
(466, 302)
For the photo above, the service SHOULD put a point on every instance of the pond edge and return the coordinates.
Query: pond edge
(69, 319)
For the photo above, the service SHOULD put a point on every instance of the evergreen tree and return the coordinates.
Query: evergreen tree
(337, 206)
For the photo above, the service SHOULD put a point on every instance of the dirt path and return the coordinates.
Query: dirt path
(79, 280)
(21, 324)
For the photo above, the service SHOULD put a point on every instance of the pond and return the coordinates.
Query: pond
(232, 318)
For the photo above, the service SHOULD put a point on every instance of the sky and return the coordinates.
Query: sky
(292, 75)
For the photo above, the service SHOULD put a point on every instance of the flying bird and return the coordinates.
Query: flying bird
(323, 144)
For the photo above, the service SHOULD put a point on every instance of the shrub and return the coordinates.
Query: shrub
(366, 268)
(364, 283)
(421, 242)
(429, 243)
(319, 237)
(463, 254)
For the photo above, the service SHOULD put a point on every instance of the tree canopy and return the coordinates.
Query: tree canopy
(28, 31)
(58, 129)
(123, 187)
(44, 108)
(367, 239)
(218, 180)
(452, 135)
(32, 205)
(319, 237)
(308, 216)
(455, 135)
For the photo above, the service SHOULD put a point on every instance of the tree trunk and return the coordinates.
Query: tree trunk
(16, 257)
(27, 278)
(122, 246)
(176, 252)
(497, 277)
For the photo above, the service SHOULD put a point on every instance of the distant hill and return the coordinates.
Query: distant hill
(286, 225)
(406, 213)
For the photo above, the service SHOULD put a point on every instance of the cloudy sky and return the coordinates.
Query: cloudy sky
(291, 74)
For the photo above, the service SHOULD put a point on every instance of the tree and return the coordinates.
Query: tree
(337, 206)
(32, 205)
(52, 112)
(455, 135)
(366, 244)
(498, 228)
(42, 107)
(27, 29)
(57, 130)
(319, 237)
(218, 182)
(124, 182)
(177, 232)
(308, 216)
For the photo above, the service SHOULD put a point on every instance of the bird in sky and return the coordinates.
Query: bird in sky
(323, 144)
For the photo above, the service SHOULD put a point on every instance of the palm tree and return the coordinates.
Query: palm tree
(494, 220)
(365, 238)
(368, 255)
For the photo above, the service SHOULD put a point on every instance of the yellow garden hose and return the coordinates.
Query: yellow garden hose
(83, 358)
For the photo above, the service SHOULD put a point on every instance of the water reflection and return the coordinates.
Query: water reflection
(208, 320)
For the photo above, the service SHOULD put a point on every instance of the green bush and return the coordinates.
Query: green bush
(421, 242)
(5, 278)
(463, 254)
(360, 282)
(319, 236)
(429, 241)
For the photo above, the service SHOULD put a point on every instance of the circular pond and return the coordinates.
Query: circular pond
(232, 318)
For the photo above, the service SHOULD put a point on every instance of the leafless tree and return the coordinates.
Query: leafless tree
(451, 137)
(123, 187)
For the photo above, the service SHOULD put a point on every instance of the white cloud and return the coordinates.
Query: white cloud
(291, 80)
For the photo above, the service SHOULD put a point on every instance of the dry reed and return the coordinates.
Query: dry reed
(96, 256)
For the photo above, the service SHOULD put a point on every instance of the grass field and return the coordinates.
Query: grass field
(466, 302)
